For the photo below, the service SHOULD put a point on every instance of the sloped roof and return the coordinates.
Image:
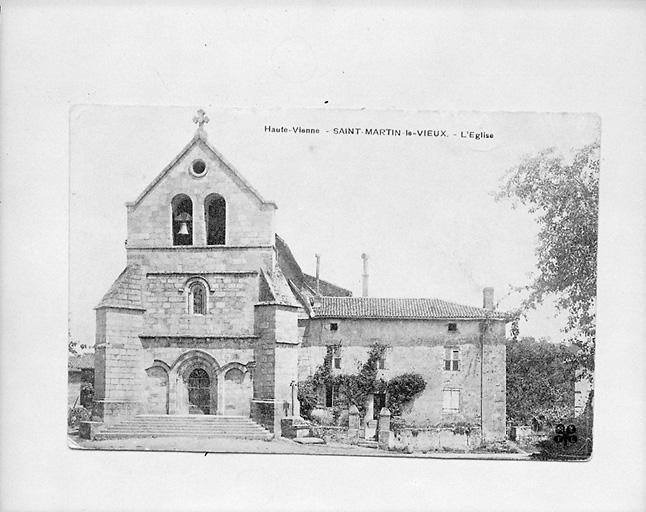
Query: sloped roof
(81, 362)
(374, 307)
(200, 139)
(325, 287)
(305, 283)
(125, 292)
(276, 289)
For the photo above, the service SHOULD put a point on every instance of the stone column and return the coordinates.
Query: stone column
(384, 433)
(118, 368)
(276, 355)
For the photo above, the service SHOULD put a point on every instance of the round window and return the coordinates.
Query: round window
(198, 167)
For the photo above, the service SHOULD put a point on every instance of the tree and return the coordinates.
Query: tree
(74, 347)
(540, 381)
(564, 196)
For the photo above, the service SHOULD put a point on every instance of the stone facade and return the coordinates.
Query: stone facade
(229, 327)
(420, 346)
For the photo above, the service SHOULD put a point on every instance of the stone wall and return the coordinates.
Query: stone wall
(412, 440)
(229, 309)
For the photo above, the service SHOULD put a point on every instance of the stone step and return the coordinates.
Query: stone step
(208, 423)
(210, 435)
(185, 426)
(368, 444)
(160, 422)
(185, 430)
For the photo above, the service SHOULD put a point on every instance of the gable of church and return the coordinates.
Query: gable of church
(205, 198)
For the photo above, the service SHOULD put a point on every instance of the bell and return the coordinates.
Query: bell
(184, 218)
(183, 229)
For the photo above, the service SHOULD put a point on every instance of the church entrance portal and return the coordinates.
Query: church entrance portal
(199, 392)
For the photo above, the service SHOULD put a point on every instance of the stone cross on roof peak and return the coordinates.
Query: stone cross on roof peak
(200, 119)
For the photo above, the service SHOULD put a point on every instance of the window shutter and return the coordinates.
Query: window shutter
(446, 404)
(455, 399)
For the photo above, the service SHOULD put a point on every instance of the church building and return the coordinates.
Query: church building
(213, 316)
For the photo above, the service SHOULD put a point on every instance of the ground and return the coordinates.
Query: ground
(275, 446)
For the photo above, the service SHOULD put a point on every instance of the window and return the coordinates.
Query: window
(381, 363)
(197, 299)
(182, 220)
(451, 400)
(452, 359)
(331, 395)
(198, 168)
(334, 326)
(334, 356)
(215, 214)
(453, 327)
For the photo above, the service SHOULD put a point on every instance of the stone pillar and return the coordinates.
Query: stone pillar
(118, 365)
(354, 424)
(493, 390)
(384, 429)
(276, 355)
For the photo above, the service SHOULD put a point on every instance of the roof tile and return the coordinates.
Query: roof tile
(125, 292)
(374, 307)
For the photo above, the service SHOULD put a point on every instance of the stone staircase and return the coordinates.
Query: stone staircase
(195, 426)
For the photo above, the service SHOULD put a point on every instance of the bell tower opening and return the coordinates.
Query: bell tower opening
(182, 220)
(215, 213)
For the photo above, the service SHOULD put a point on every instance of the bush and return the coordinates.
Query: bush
(307, 396)
(397, 424)
(322, 417)
(76, 415)
(403, 389)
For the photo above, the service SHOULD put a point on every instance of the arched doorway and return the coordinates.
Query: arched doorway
(199, 392)
(194, 383)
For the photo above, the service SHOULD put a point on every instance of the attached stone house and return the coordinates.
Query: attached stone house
(213, 315)
(458, 350)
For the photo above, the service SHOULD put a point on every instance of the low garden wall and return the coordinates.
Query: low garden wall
(433, 439)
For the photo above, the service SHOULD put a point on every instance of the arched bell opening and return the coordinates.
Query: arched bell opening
(182, 220)
(215, 214)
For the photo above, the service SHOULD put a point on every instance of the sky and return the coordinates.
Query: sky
(420, 205)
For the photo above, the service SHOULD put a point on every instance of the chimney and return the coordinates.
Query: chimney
(364, 288)
(318, 271)
(487, 298)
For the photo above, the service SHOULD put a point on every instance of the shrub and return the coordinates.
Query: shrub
(75, 415)
(307, 396)
(397, 424)
(403, 389)
(322, 416)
